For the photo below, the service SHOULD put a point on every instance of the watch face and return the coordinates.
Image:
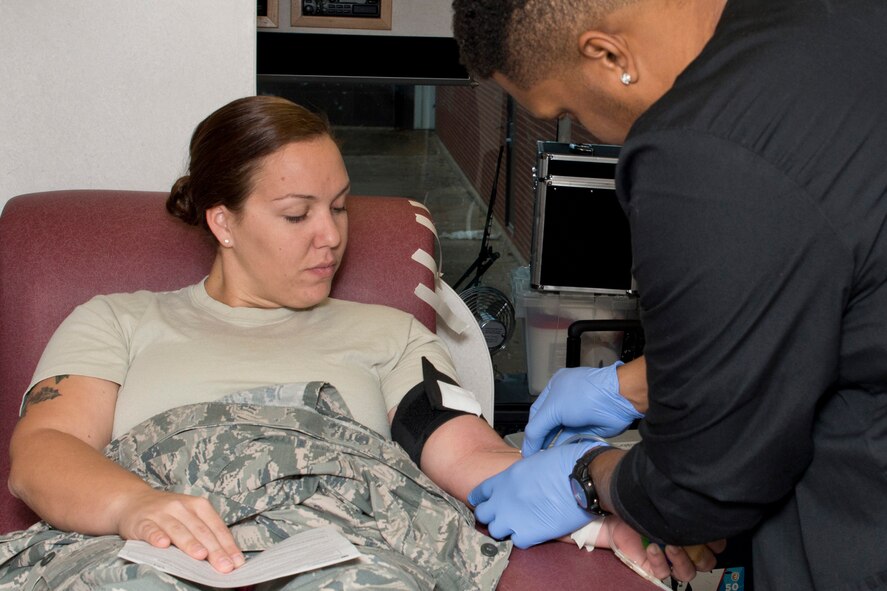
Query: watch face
(579, 493)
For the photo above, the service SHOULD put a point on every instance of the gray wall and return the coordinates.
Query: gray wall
(98, 94)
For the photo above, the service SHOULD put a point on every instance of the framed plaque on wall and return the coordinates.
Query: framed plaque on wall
(267, 14)
(342, 14)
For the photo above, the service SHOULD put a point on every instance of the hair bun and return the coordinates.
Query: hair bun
(180, 202)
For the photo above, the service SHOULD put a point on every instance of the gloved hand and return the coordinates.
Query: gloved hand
(532, 500)
(580, 400)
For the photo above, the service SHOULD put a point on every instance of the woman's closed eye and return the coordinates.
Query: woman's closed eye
(294, 219)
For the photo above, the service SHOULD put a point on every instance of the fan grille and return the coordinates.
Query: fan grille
(494, 313)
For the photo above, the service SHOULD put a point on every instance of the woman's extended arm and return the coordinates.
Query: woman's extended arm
(463, 452)
(58, 469)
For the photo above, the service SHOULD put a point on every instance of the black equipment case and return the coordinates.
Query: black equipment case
(581, 240)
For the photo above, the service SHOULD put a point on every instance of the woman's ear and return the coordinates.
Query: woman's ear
(218, 219)
(610, 53)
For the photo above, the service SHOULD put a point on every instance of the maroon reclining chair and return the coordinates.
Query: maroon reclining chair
(58, 249)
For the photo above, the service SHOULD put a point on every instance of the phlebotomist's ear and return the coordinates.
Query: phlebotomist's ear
(608, 54)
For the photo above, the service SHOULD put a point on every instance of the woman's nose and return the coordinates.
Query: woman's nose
(329, 231)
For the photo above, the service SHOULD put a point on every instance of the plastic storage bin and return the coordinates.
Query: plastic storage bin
(547, 316)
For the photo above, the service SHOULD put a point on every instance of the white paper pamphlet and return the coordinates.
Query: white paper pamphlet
(303, 552)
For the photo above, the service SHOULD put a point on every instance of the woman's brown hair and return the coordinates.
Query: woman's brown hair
(229, 146)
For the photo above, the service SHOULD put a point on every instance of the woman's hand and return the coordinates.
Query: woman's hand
(67, 422)
(681, 563)
(187, 522)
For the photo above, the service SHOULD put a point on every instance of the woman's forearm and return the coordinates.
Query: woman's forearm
(463, 452)
(68, 483)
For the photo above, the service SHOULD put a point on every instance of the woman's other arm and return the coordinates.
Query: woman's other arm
(58, 470)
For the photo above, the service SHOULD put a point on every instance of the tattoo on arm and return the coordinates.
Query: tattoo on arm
(45, 393)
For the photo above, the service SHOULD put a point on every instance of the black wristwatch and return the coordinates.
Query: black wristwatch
(582, 485)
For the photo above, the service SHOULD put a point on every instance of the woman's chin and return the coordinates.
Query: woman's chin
(310, 298)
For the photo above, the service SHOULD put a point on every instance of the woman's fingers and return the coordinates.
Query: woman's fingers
(189, 523)
(681, 563)
(718, 546)
(152, 534)
(622, 538)
(686, 561)
(657, 563)
(221, 544)
(682, 566)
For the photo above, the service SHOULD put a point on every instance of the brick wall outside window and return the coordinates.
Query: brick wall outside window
(471, 122)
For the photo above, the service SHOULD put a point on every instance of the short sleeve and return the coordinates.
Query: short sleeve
(92, 341)
(407, 372)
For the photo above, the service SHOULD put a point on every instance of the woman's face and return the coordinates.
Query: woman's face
(287, 242)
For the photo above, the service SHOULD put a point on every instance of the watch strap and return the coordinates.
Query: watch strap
(589, 456)
(582, 476)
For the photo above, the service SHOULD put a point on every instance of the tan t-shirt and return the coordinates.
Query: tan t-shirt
(173, 348)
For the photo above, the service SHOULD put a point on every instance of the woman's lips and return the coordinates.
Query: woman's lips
(324, 270)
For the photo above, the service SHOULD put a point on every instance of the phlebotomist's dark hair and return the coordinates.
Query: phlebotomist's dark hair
(524, 40)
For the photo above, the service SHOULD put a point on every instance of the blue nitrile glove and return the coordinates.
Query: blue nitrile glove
(578, 400)
(532, 500)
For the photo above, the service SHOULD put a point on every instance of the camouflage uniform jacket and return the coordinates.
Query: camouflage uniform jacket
(273, 462)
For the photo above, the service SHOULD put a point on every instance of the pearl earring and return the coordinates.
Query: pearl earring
(626, 78)
(226, 241)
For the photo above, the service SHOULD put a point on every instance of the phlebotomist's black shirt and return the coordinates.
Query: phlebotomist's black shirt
(756, 191)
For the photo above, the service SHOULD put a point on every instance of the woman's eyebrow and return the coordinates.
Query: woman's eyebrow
(346, 189)
(294, 196)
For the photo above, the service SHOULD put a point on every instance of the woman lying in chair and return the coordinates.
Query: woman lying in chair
(214, 446)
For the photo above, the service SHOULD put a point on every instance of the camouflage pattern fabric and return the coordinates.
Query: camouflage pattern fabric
(273, 462)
